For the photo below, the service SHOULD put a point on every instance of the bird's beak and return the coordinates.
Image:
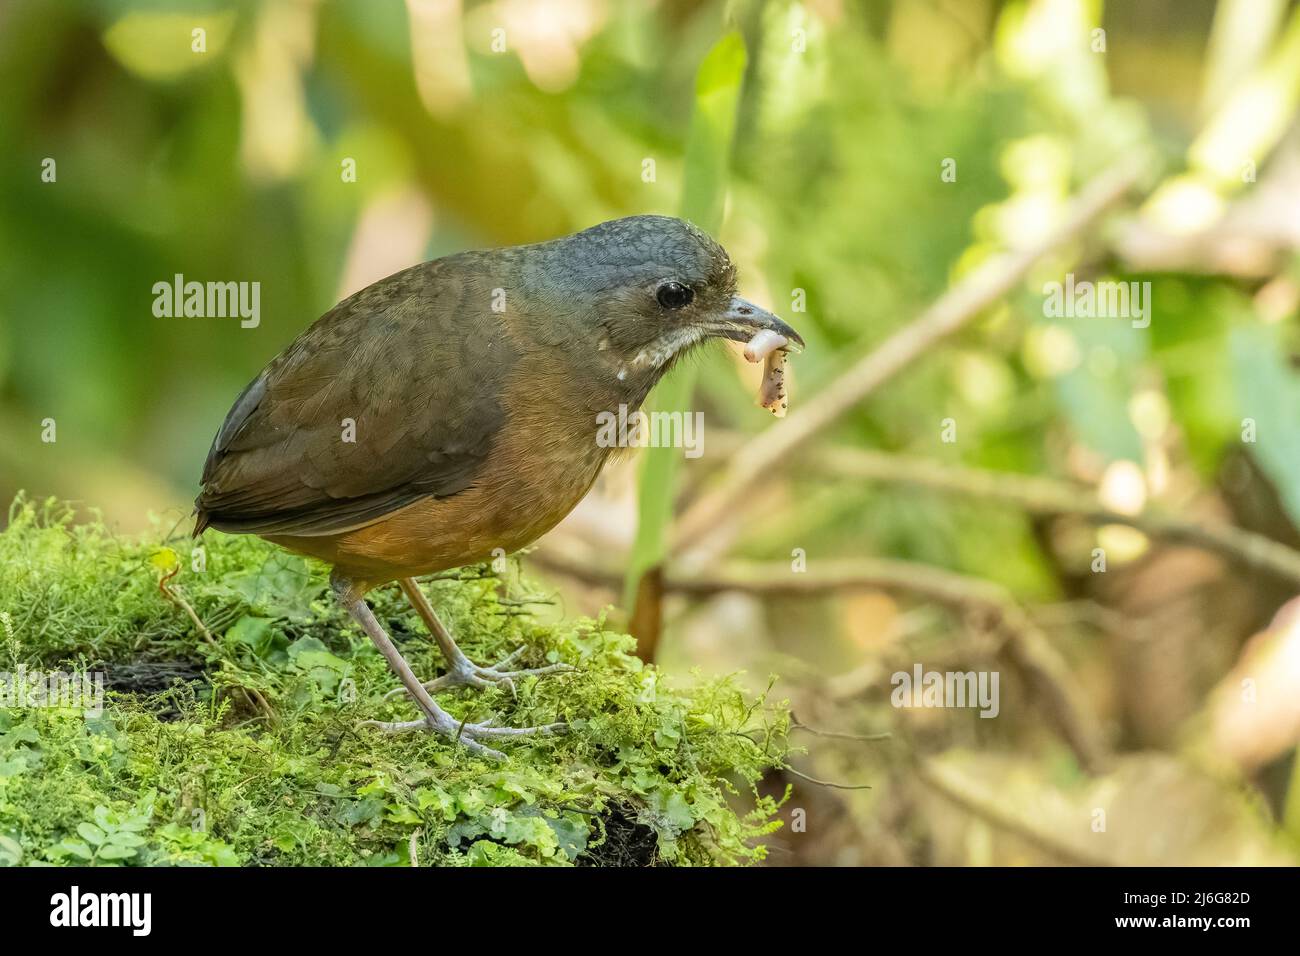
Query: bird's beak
(743, 320)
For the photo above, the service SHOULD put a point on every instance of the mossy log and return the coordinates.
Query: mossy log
(231, 729)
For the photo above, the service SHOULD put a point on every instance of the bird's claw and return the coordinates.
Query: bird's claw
(465, 673)
(466, 734)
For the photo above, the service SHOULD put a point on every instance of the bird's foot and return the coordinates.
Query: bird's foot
(435, 718)
(465, 673)
(467, 734)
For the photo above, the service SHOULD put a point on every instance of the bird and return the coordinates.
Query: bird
(450, 409)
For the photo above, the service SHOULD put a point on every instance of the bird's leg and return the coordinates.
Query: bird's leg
(435, 718)
(460, 669)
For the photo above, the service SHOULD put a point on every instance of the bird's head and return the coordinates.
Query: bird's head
(657, 287)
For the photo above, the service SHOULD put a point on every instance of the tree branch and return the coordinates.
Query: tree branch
(1050, 496)
(977, 291)
(957, 789)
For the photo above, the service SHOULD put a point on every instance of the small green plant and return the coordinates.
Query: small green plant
(111, 839)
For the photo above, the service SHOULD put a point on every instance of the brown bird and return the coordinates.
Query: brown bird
(451, 409)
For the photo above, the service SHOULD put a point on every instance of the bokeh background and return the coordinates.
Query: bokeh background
(1150, 712)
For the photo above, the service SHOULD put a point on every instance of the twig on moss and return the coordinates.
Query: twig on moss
(826, 783)
(797, 724)
(252, 696)
(176, 598)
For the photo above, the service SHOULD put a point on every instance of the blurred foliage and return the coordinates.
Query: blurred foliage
(228, 164)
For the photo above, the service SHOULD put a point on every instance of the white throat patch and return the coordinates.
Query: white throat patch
(663, 348)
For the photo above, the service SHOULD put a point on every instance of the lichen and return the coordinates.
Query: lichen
(245, 744)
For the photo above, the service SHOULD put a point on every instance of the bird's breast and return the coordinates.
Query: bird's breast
(543, 460)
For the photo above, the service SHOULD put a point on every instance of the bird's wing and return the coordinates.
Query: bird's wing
(392, 396)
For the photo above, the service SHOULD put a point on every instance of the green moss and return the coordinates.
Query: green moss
(245, 747)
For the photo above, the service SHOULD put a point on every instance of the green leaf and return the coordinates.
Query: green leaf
(486, 853)
(219, 854)
(11, 851)
(713, 126)
(22, 735)
(400, 813)
(91, 833)
(253, 632)
(77, 849)
(1191, 343)
(284, 842)
(112, 851)
(471, 802)
(12, 767)
(356, 812)
(668, 813)
(524, 828)
(310, 654)
(1269, 394)
(282, 587)
(571, 833)
(435, 797)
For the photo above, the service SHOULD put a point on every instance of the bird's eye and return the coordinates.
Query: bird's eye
(674, 295)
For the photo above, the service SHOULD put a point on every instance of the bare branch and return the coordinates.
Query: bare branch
(957, 789)
(1049, 496)
(773, 448)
